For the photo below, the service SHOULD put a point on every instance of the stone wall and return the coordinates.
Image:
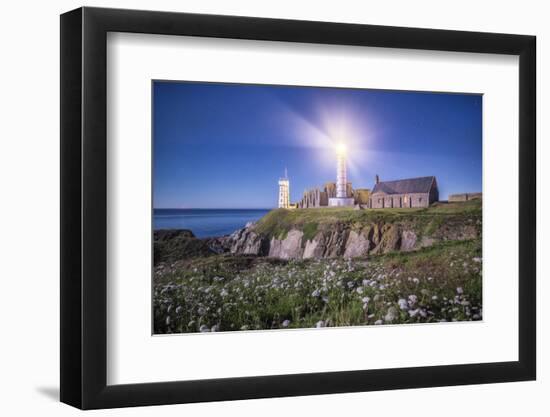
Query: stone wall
(313, 198)
(453, 198)
(412, 200)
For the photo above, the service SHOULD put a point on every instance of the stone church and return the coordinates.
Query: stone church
(407, 193)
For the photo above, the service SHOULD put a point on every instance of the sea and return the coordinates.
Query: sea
(206, 222)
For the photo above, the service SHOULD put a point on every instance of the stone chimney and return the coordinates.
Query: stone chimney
(376, 179)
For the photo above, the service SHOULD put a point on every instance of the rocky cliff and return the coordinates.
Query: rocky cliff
(339, 239)
(331, 233)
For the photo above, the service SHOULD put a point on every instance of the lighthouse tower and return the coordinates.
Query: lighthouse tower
(341, 198)
(284, 192)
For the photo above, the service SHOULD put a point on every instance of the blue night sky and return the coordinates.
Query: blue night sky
(226, 145)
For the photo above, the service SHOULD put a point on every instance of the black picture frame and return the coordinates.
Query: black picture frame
(84, 207)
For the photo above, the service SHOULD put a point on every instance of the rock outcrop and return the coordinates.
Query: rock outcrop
(247, 242)
(342, 240)
(288, 248)
(358, 245)
(318, 235)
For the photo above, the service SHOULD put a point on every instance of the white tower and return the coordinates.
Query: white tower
(341, 198)
(341, 174)
(284, 192)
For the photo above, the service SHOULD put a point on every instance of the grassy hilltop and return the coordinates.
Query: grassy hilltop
(277, 223)
(224, 292)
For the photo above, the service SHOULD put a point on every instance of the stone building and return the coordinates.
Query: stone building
(317, 197)
(406, 193)
(313, 198)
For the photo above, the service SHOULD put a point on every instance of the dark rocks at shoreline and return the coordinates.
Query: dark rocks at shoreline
(169, 234)
(175, 244)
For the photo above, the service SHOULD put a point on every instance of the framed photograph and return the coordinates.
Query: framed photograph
(257, 208)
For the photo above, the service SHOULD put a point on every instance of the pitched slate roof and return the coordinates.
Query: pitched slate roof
(406, 186)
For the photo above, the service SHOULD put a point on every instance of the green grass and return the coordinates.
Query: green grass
(241, 293)
(310, 230)
(277, 223)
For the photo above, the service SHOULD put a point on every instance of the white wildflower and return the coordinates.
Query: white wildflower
(285, 323)
(391, 315)
(403, 305)
(459, 290)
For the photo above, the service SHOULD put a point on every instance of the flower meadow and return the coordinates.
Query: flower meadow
(231, 293)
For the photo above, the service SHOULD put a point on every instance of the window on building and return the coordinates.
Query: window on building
(405, 200)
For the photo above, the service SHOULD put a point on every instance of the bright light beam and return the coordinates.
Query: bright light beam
(341, 148)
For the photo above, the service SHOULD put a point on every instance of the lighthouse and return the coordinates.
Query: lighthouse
(341, 198)
(284, 192)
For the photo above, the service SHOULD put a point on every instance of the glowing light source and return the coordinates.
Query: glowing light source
(341, 148)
